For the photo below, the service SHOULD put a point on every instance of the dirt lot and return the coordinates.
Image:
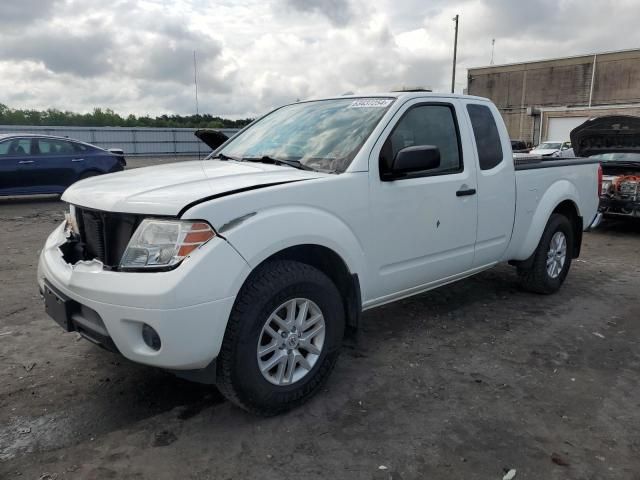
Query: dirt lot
(465, 382)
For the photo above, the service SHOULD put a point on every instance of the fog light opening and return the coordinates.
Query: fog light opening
(151, 337)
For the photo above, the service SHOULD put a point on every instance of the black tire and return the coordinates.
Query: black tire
(238, 376)
(535, 277)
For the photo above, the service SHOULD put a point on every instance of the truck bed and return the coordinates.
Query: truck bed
(541, 184)
(530, 162)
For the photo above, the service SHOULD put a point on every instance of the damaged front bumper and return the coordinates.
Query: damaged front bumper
(188, 307)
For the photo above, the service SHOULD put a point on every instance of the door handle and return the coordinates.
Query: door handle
(77, 159)
(25, 161)
(466, 192)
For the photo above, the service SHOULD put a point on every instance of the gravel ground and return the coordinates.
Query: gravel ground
(464, 382)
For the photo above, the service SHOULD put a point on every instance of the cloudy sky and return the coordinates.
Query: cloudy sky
(136, 56)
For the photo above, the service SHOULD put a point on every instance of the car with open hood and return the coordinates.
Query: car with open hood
(615, 142)
(248, 268)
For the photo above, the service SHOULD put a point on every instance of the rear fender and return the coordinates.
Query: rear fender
(528, 233)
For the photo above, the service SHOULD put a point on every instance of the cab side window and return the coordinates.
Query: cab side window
(16, 147)
(54, 147)
(487, 136)
(426, 125)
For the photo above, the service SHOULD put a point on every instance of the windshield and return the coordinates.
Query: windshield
(549, 146)
(324, 135)
(618, 157)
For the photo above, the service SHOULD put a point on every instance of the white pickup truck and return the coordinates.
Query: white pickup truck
(250, 266)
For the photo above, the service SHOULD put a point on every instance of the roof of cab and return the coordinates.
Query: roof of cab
(402, 95)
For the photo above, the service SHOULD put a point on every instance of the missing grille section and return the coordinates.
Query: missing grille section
(105, 235)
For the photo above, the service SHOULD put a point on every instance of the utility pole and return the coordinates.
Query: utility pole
(593, 78)
(493, 49)
(195, 79)
(195, 83)
(455, 53)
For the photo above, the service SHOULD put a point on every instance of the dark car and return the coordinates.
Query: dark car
(519, 146)
(33, 164)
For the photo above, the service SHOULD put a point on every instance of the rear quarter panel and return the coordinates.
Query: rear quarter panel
(103, 162)
(539, 191)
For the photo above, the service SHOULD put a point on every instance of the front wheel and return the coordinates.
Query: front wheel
(552, 258)
(282, 339)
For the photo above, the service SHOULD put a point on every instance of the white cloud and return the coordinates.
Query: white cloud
(136, 56)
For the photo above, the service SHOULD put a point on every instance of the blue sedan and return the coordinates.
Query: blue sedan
(34, 164)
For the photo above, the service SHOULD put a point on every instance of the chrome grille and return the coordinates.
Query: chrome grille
(629, 189)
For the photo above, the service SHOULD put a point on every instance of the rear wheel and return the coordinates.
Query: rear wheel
(282, 339)
(552, 258)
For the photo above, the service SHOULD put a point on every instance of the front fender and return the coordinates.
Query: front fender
(274, 229)
(534, 213)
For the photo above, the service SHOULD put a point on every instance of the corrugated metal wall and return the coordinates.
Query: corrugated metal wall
(134, 141)
(560, 82)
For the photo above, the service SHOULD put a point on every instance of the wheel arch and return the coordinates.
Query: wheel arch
(561, 197)
(333, 266)
(569, 209)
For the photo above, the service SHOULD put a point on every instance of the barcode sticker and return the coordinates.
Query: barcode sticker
(370, 103)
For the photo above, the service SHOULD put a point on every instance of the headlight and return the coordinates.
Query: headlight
(71, 223)
(158, 244)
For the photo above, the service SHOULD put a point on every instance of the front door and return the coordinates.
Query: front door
(425, 224)
(57, 163)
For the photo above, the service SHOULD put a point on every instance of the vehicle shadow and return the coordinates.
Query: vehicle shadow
(619, 226)
(114, 394)
(452, 302)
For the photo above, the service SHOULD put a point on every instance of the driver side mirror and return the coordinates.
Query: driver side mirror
(414, 159)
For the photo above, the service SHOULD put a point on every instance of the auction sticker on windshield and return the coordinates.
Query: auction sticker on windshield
(371, 103)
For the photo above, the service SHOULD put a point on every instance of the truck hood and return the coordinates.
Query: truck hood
(168, 189)
(610, 134)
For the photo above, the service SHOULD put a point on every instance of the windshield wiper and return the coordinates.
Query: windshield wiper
(278, 161)
(222, 156)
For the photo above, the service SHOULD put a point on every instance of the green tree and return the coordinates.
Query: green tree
(108, 118)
